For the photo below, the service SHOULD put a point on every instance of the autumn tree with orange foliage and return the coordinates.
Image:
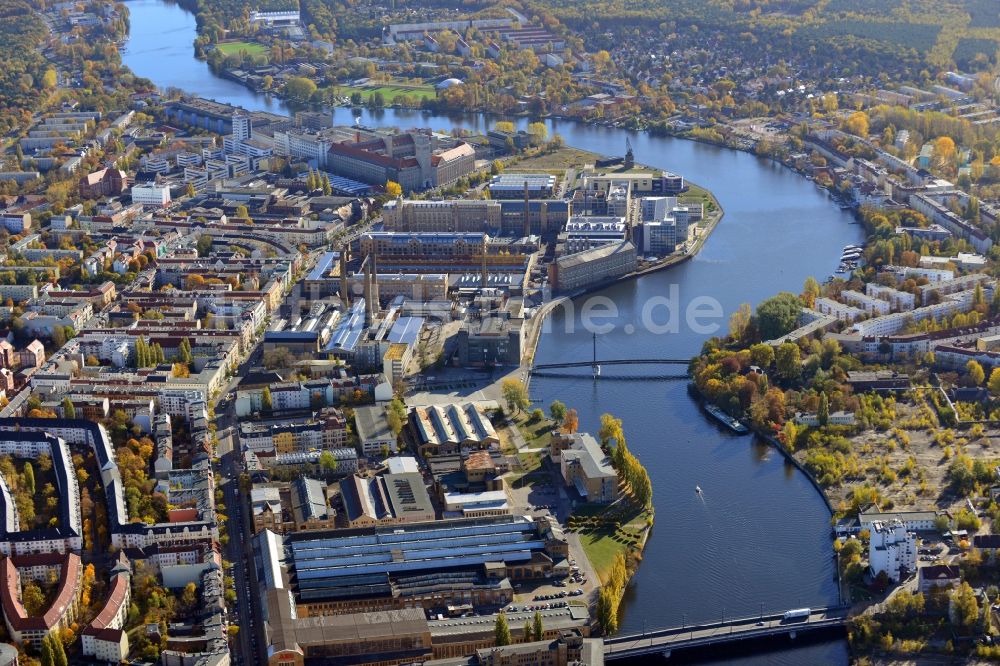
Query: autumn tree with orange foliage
(570, 422)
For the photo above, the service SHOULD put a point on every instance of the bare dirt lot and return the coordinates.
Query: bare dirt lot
(908, 464)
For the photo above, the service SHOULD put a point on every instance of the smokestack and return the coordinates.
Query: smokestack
(375, 294)
(369, 311)
(485, 275)
(527, 212)
(344, 292)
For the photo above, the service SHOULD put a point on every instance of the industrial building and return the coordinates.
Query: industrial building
(592, 267)
(448, 429)
(430, 564)
(517, 185)
(416, 159)
(453, 215)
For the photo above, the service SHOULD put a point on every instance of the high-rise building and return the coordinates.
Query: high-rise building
(241, 127)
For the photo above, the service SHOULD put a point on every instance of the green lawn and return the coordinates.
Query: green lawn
(600, 535)
(390, 90)
(557, 161)
(536, 433)
(697, 194)
(601, 550)
(252, 49)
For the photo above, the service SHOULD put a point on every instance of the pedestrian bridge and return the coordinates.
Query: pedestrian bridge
(665, 641)
(619, 361)
(556, 369)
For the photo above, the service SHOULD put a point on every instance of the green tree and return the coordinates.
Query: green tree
(762, 355)
(788, 361)
(501, 631)
(823, 413)
(394, 422)
(778, 315)
(514, 394)
(32, 598)
(810, 291)
(557, 410)
(189, 597)
(50, 78)
(300, 89)
(46, 652)
(942, 524)
(607, 610)
(29, 477)
(857, 123)
(265, 399)
(69, 411)
(527, 631)
(537, 630)
(184, 352)
(58, 652)
(204, 245)
(975, 372)
(539, 133)
(327, 461)
(611, 430)
(963, 610)
(740, 322)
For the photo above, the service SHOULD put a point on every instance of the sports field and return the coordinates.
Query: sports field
(251, 48)
(391, 90)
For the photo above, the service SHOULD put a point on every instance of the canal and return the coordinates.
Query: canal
(759, 535)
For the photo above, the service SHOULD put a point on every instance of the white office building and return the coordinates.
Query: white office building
(892, 550)
(241, 127)
(151, 195)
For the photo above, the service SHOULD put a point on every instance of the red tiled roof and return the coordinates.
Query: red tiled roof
(116, 597)
(14, 610)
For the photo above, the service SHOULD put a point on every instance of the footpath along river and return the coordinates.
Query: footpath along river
(759, 535)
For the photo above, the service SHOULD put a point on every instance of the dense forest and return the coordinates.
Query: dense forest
(22, 67)
(941, 33)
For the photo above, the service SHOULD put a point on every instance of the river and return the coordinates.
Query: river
(759, 535)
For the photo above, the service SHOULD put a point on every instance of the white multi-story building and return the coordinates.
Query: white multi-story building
(588, 232)
(188, 403)
(898, 300)
(895, 322)
(311, 146)
(835, 418)
(932, 274)
(843, 312)
(151, 195)
(945, 287)
(869, 304)
(241, 127)
(892, 549)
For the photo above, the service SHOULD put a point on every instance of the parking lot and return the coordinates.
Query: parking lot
(555, 592)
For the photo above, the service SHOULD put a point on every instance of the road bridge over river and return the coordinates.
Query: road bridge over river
(665, 641)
